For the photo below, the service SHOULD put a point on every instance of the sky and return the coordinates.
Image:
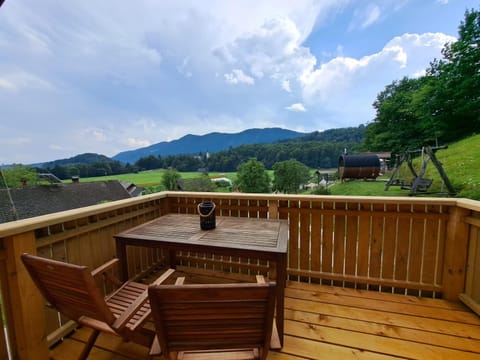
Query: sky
(109, 76)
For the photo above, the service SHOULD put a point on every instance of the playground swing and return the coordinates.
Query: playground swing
(419, 184)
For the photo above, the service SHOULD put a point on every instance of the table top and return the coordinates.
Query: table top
(231, 232)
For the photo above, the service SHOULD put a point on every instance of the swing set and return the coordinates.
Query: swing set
(420, 185)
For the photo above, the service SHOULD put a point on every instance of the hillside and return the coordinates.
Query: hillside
(460, 162)
(212, 142)
(87, 158)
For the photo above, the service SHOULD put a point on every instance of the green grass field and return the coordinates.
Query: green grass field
(461, 162)
(153, 177)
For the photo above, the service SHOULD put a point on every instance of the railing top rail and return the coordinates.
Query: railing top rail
(332, 198)
(24, 225)
(20, 226)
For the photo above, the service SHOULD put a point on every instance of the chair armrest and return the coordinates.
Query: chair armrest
(102, 270)
(180, 280)
(130, 312)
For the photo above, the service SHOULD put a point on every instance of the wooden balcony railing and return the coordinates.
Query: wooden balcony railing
(428, 247)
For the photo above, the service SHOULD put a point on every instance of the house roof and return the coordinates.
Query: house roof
(46, 199)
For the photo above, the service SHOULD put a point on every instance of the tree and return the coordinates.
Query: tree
(252, 177)
(200, 183)
(169, 179)
(435, 109)
(289, 175)
(401, 122)
(17, 175)
(456, 94)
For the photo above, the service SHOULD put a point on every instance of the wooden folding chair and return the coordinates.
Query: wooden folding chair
(71, 290)
(213, 321)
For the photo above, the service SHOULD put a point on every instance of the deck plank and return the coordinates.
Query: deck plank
(324, 322)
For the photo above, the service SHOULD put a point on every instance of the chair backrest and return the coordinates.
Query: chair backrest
(69, 288)
(217, 316)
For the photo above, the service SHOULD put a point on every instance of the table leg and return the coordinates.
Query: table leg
(281, 283)
(122, 257)
(172, 259)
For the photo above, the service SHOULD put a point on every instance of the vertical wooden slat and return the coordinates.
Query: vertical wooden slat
(403, 240)
(263, 209)
(351, 241)
(55, 251)
(416, 248)
(305, 236)
(26, 317)
(315, 238)
(252, 208)
(473, 266)
(339, 241)
(455, 254)
(243, 213)
(439, 266)
(474, 274)
(389, 245)
(243, 204)
(364, 241)
(327, 239)
(430, 260)
(4, 301)
(273, 209)
(293, 240)
(377, 242)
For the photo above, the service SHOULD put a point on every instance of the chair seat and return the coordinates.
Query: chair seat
(213, 321)
(72, 290)
(119, 302)
(123, 298)
(231, 354)
(219, 355)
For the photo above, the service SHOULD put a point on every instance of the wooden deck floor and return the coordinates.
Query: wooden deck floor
(325, 322)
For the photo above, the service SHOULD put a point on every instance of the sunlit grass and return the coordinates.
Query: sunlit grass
(461, 162)
(153, 177)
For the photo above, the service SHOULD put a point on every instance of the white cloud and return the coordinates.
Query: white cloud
(297, 107)
(101, 80)
(137, 143)
(345, 87)
(409, 52)
(17, 81)
(272, 50)
(366, 16)
(16, 141)
(94, 134)
(183, 68)
(286, 86)
(237, 76)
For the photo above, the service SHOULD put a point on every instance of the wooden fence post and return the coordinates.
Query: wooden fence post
(456, 244)
(273, 209)
(26, 313)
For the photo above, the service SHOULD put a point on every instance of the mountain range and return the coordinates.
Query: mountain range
(188, 144)
(212, 142)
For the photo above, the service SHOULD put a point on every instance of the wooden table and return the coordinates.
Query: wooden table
(239, 237)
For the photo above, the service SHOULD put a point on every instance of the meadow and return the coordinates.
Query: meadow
(461, 162)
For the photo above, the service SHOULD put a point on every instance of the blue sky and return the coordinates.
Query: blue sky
(110, 76)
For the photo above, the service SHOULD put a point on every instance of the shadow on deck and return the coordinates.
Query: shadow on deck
(323, 322)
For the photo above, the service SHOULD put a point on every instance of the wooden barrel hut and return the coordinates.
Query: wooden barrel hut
(358, 167)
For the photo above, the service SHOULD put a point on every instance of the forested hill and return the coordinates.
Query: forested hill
(212, 142)
(349, 135)
(87, 158)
